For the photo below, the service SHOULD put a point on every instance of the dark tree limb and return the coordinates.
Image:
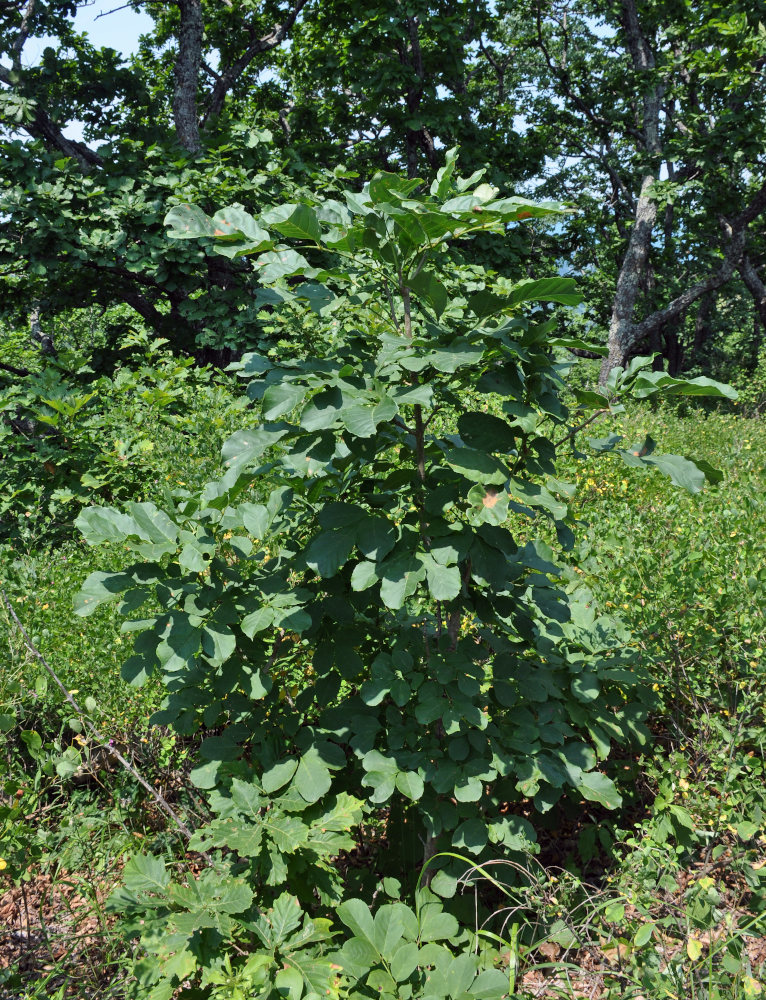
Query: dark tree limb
(232, 73)
(755, 286)
(736, 232)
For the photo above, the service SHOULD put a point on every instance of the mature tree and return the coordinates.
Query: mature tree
(655, 120)
(89, 210)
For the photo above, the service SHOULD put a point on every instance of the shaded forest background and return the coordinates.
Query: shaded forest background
(645, 117)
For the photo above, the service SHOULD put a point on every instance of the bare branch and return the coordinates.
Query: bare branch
(23, 34)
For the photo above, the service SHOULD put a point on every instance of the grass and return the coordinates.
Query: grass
(663, 899)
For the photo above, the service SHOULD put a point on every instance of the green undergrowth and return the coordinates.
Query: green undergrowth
(687, 574)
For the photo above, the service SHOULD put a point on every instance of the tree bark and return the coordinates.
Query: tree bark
(633, 268)
(188, 62)
(755, 286)
(702, 322)
(37, 333)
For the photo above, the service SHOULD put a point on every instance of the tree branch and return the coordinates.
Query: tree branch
(232, 73)
(23, 35)
(736, 230)
(754, 285)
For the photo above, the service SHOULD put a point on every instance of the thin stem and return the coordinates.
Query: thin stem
(576, 430)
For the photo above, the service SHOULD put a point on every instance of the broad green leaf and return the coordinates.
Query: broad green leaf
(282, 263)
(312, 776)
(443, 581)
(294, 221)
(246, 445)
(404, 961)
(365, 575)
(393, 922)
(188, 222)
(643, 935)
(218, 643)
(647, 383)
(563, 290)
(279, 774)
(289, 983)
(471, 836)
(355, 914)
(477, 466)
(255, 518)
(410, 783)
(596, 787)
(679, 470)
(144, 873)
(100, 588)
(357, 956)
(257, 621)
(436, 925)
(330, 550)
(104, 524)
(486, 432)
(323, 410)
(281, 398)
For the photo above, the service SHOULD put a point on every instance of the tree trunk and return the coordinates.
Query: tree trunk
(702, 323)
(621, 326)
(187, 72)
(755, 286)
(38, 334)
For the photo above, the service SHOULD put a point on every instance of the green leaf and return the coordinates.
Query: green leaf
(281, 398)
(410, 783)
(257, 621)
(486, 432)
(471, 836)
(278, 775)
(643, 935)
(322, 411)
(436, 925)
(312, 776)
(188, 222)
(648, 383)
(294, 221)
(596, 787)
(681, 471)
(104, 524)
(404, 961)
(218, 643)
(443, 581)
(355, 914)
(144, 873)
(289, 983)
(329, 551)
(282, 263)
(393, 922)
(563, 290)
(477, 466)
(100, 588)
(246, 445)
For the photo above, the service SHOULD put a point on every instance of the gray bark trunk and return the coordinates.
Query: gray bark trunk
(187, 68)
(38, 334)
(633, 269)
